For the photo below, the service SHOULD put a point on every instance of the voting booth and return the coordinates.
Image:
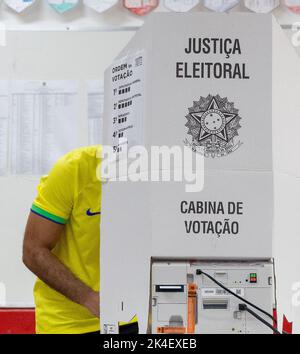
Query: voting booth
(178, 260)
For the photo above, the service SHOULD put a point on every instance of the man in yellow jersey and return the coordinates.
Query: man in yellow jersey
(62, 245)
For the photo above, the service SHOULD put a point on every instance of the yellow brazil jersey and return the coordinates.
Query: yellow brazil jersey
(71, 195)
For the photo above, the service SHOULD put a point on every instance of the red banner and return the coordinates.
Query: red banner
(287, 327)
(17, 321)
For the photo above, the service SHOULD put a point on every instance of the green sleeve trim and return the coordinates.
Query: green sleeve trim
(45, 214)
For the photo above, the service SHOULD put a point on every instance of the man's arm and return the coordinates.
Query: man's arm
(41, 235)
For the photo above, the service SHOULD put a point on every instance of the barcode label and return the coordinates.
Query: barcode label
(221, 292)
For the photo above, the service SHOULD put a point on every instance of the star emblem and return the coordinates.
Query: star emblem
(213, 122)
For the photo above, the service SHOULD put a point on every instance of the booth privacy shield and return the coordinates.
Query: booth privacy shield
(224, 86)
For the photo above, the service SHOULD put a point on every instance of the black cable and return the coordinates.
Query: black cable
(243, 307)
(199, 271)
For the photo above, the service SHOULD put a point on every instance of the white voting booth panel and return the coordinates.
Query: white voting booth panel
(217, 89)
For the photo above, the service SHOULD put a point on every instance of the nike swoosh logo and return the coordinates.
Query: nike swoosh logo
(89, 213)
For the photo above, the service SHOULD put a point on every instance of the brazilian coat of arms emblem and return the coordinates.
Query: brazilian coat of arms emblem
(213, 123)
